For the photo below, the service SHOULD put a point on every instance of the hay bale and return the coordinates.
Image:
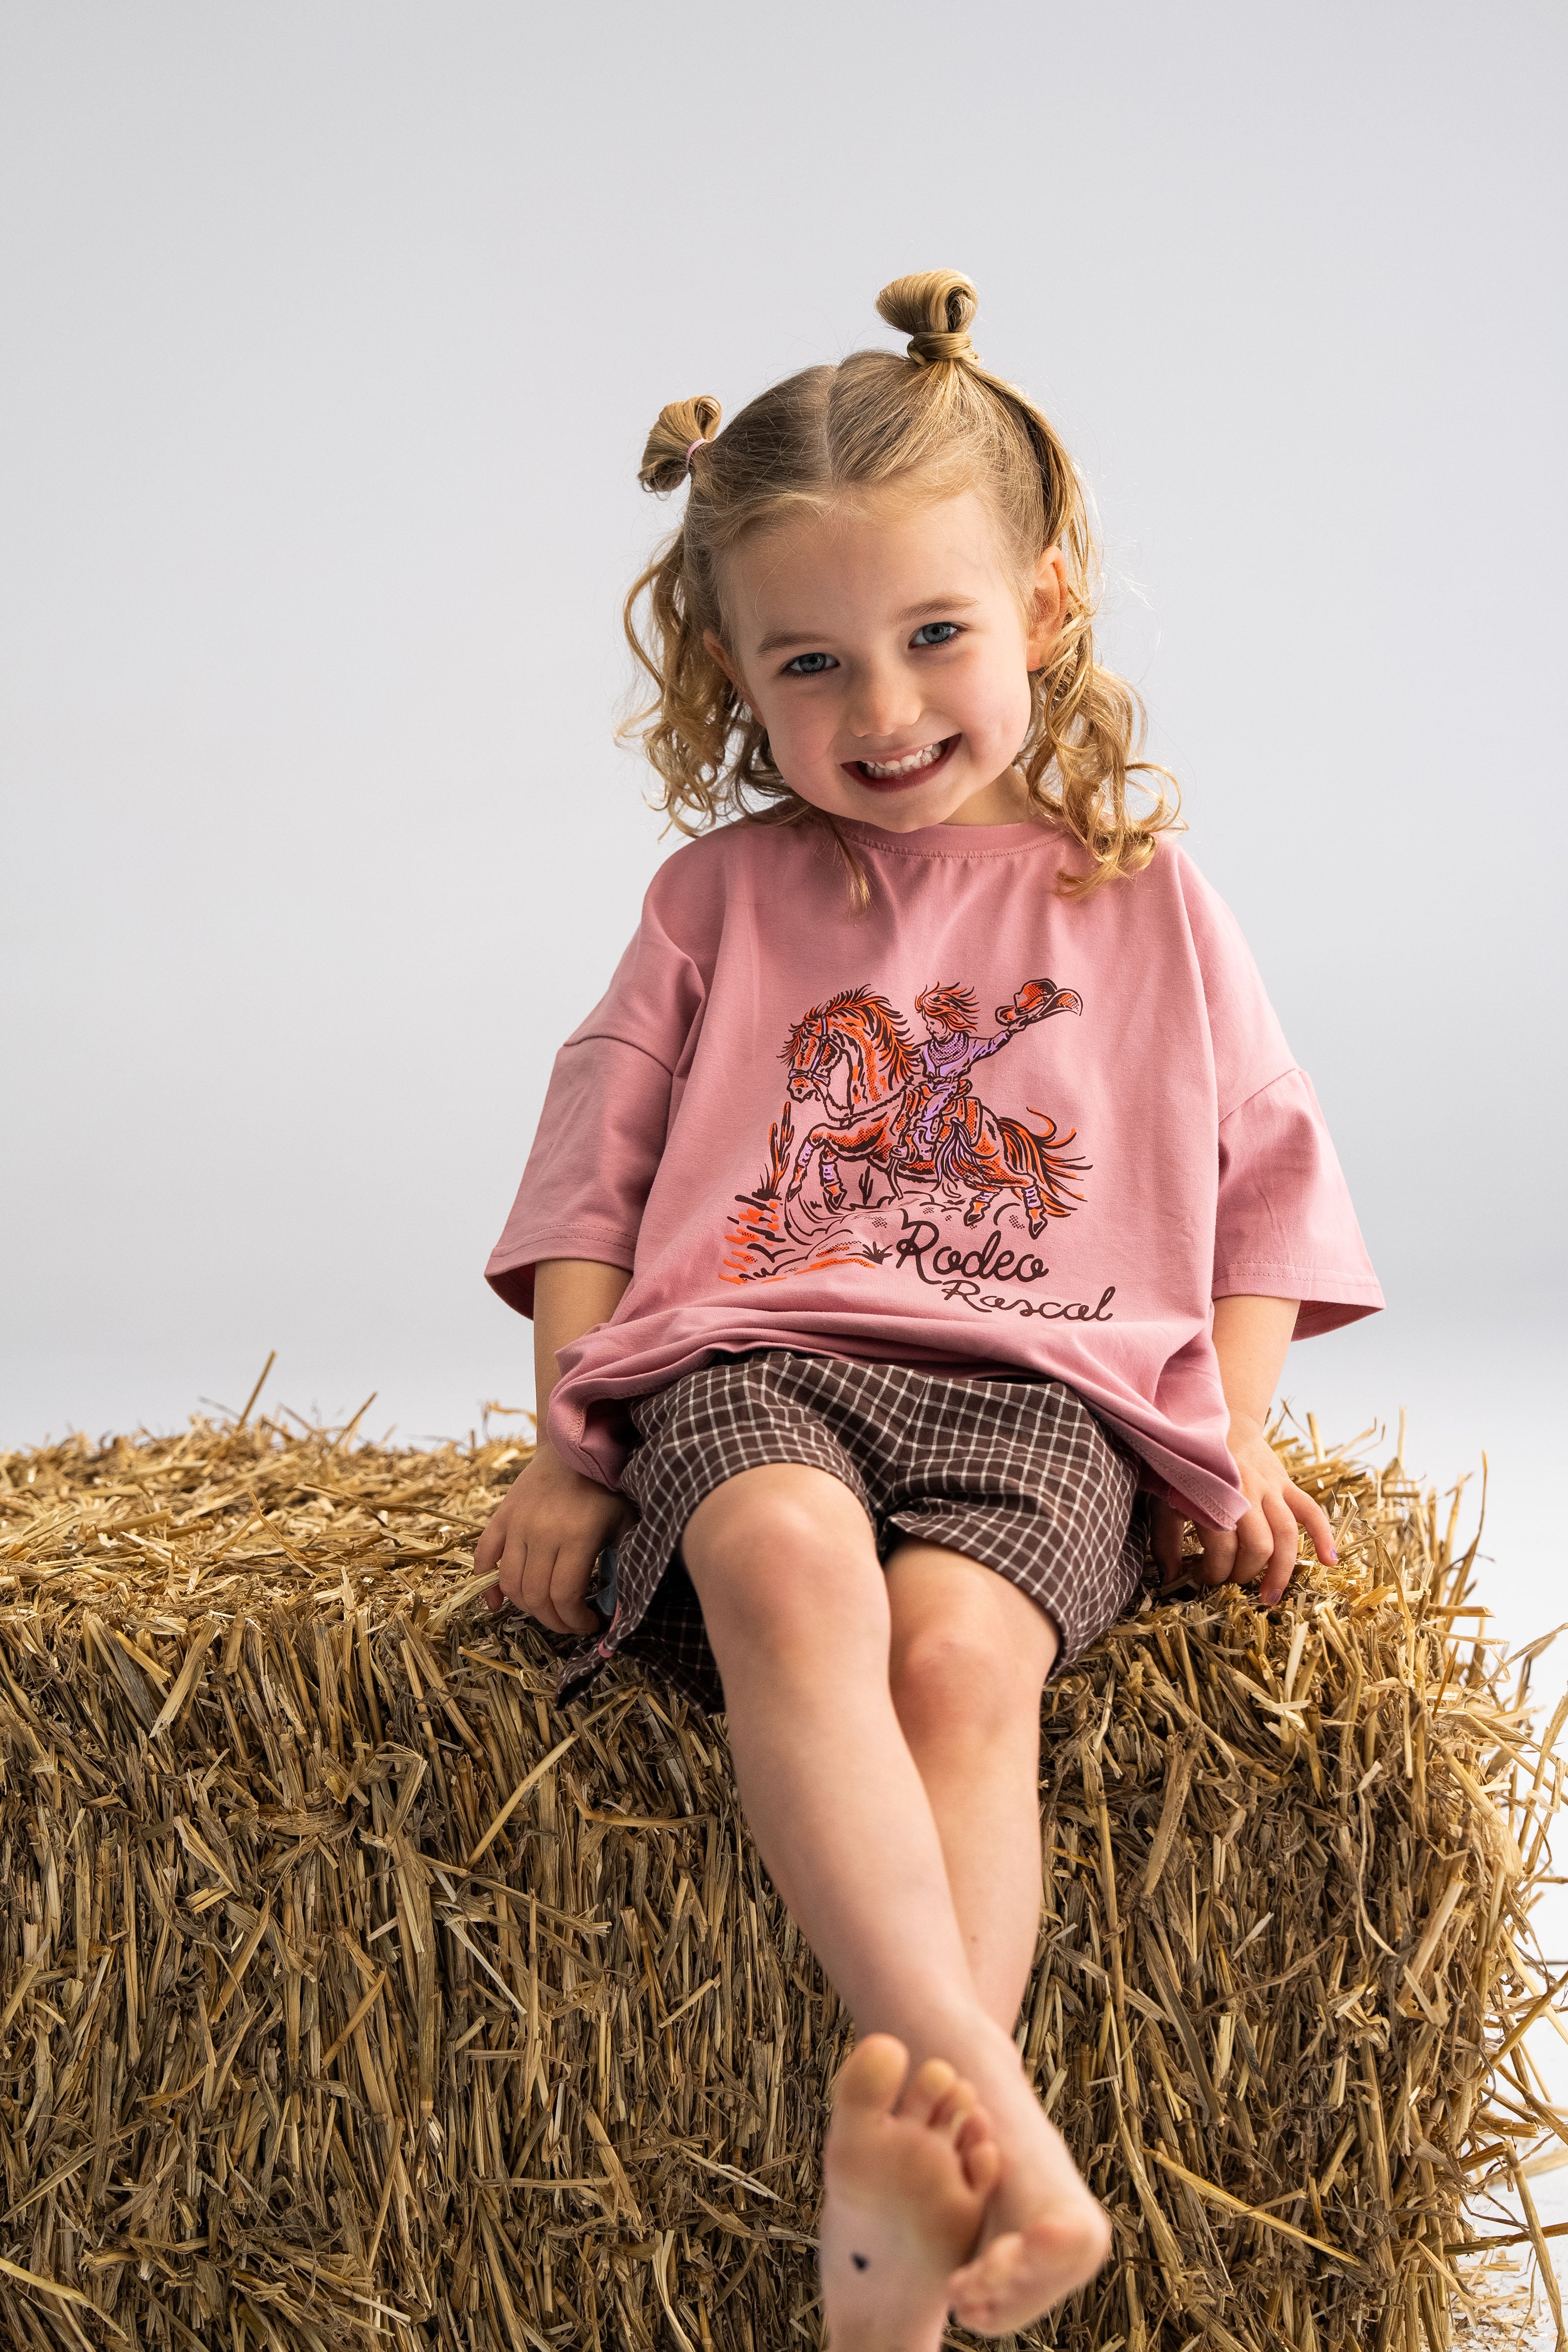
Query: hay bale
(349, 1990)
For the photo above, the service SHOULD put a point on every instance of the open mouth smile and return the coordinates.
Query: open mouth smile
(888, 775)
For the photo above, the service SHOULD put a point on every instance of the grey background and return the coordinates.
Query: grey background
(331, 333)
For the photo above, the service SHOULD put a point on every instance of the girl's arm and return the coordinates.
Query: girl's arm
(1250, 1338)
(545, 1537)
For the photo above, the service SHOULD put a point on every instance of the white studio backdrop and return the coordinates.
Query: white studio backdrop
(333, 333)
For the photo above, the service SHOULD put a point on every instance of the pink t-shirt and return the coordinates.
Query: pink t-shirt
(971, 1127)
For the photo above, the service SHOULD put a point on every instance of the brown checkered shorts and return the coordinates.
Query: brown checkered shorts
(1017, 1475)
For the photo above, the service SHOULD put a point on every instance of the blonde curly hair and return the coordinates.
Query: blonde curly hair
(939, 421)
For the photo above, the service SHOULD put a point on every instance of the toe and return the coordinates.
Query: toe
(974, 2286)
(979, 2154)
(1022, 2273)
(871, 2077)
(985, 2288)
(928, 2093)
(957, 2103)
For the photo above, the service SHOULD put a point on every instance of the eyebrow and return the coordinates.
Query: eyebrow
(779, 639)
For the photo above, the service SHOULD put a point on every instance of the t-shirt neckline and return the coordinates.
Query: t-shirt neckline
(954, 840)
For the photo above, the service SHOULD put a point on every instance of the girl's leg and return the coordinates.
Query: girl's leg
(798, 1611)
(969, 1655)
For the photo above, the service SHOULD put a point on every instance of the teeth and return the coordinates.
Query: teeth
(903, 767)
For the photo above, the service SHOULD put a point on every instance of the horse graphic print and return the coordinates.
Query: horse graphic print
(873, 1116)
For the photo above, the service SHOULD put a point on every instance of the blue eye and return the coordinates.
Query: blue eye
(935, 632)
(809, 664)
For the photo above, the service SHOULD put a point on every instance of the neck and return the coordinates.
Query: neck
(1004, 800)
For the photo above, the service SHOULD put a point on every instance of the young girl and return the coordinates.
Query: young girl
(913, 1238)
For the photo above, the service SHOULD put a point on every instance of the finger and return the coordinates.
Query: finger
(538, 1577)
(490, 1545)
(568, 1588)
(495, 1599)
(1165, 1542)
(512, 1568)
(1281, 1566)
(1218, 1559)
(1254, 1545)
(1315, 1520)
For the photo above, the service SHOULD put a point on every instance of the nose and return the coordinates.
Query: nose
(884, 705)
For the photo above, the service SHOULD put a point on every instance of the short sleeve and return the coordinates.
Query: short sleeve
(1285, 1227)
(605, 1119)
(1248, 1044)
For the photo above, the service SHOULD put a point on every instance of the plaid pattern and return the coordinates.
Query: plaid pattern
(1017, 1475)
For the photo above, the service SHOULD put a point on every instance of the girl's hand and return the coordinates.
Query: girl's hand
(544, 1540)
(1263, 1545)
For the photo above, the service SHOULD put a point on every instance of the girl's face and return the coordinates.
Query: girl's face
(883, 647)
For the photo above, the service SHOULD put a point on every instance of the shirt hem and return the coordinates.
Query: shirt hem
(1313, 1285)
(556, 1245)
(579, 1430)
(509, 1273)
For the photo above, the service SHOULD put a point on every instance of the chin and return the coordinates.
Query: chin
(908, 811)
(902, 819)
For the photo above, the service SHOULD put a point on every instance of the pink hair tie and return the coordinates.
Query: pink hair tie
(700, 443)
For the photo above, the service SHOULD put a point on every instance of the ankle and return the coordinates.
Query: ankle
(941, 2003)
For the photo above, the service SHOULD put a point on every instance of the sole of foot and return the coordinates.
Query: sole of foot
(908, 2165)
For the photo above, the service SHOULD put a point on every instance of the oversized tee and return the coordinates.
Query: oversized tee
(971, 1125)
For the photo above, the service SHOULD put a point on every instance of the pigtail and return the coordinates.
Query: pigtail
(687, 727)
(669, 450)
(933, 309)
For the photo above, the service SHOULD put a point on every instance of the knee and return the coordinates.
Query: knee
(776, 1571)
(957, 1680)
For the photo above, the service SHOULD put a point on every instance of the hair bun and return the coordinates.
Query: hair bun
(683, 422)
(933, 309)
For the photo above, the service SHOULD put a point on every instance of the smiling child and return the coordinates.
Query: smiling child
(913, 1236)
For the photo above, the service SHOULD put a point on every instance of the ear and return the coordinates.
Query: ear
(1050, 605)
(719, 653)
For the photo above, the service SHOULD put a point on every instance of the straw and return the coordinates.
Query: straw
(351, 1993)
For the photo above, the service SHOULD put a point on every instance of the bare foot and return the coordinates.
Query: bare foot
(1045, 2235)
(906, 2179)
